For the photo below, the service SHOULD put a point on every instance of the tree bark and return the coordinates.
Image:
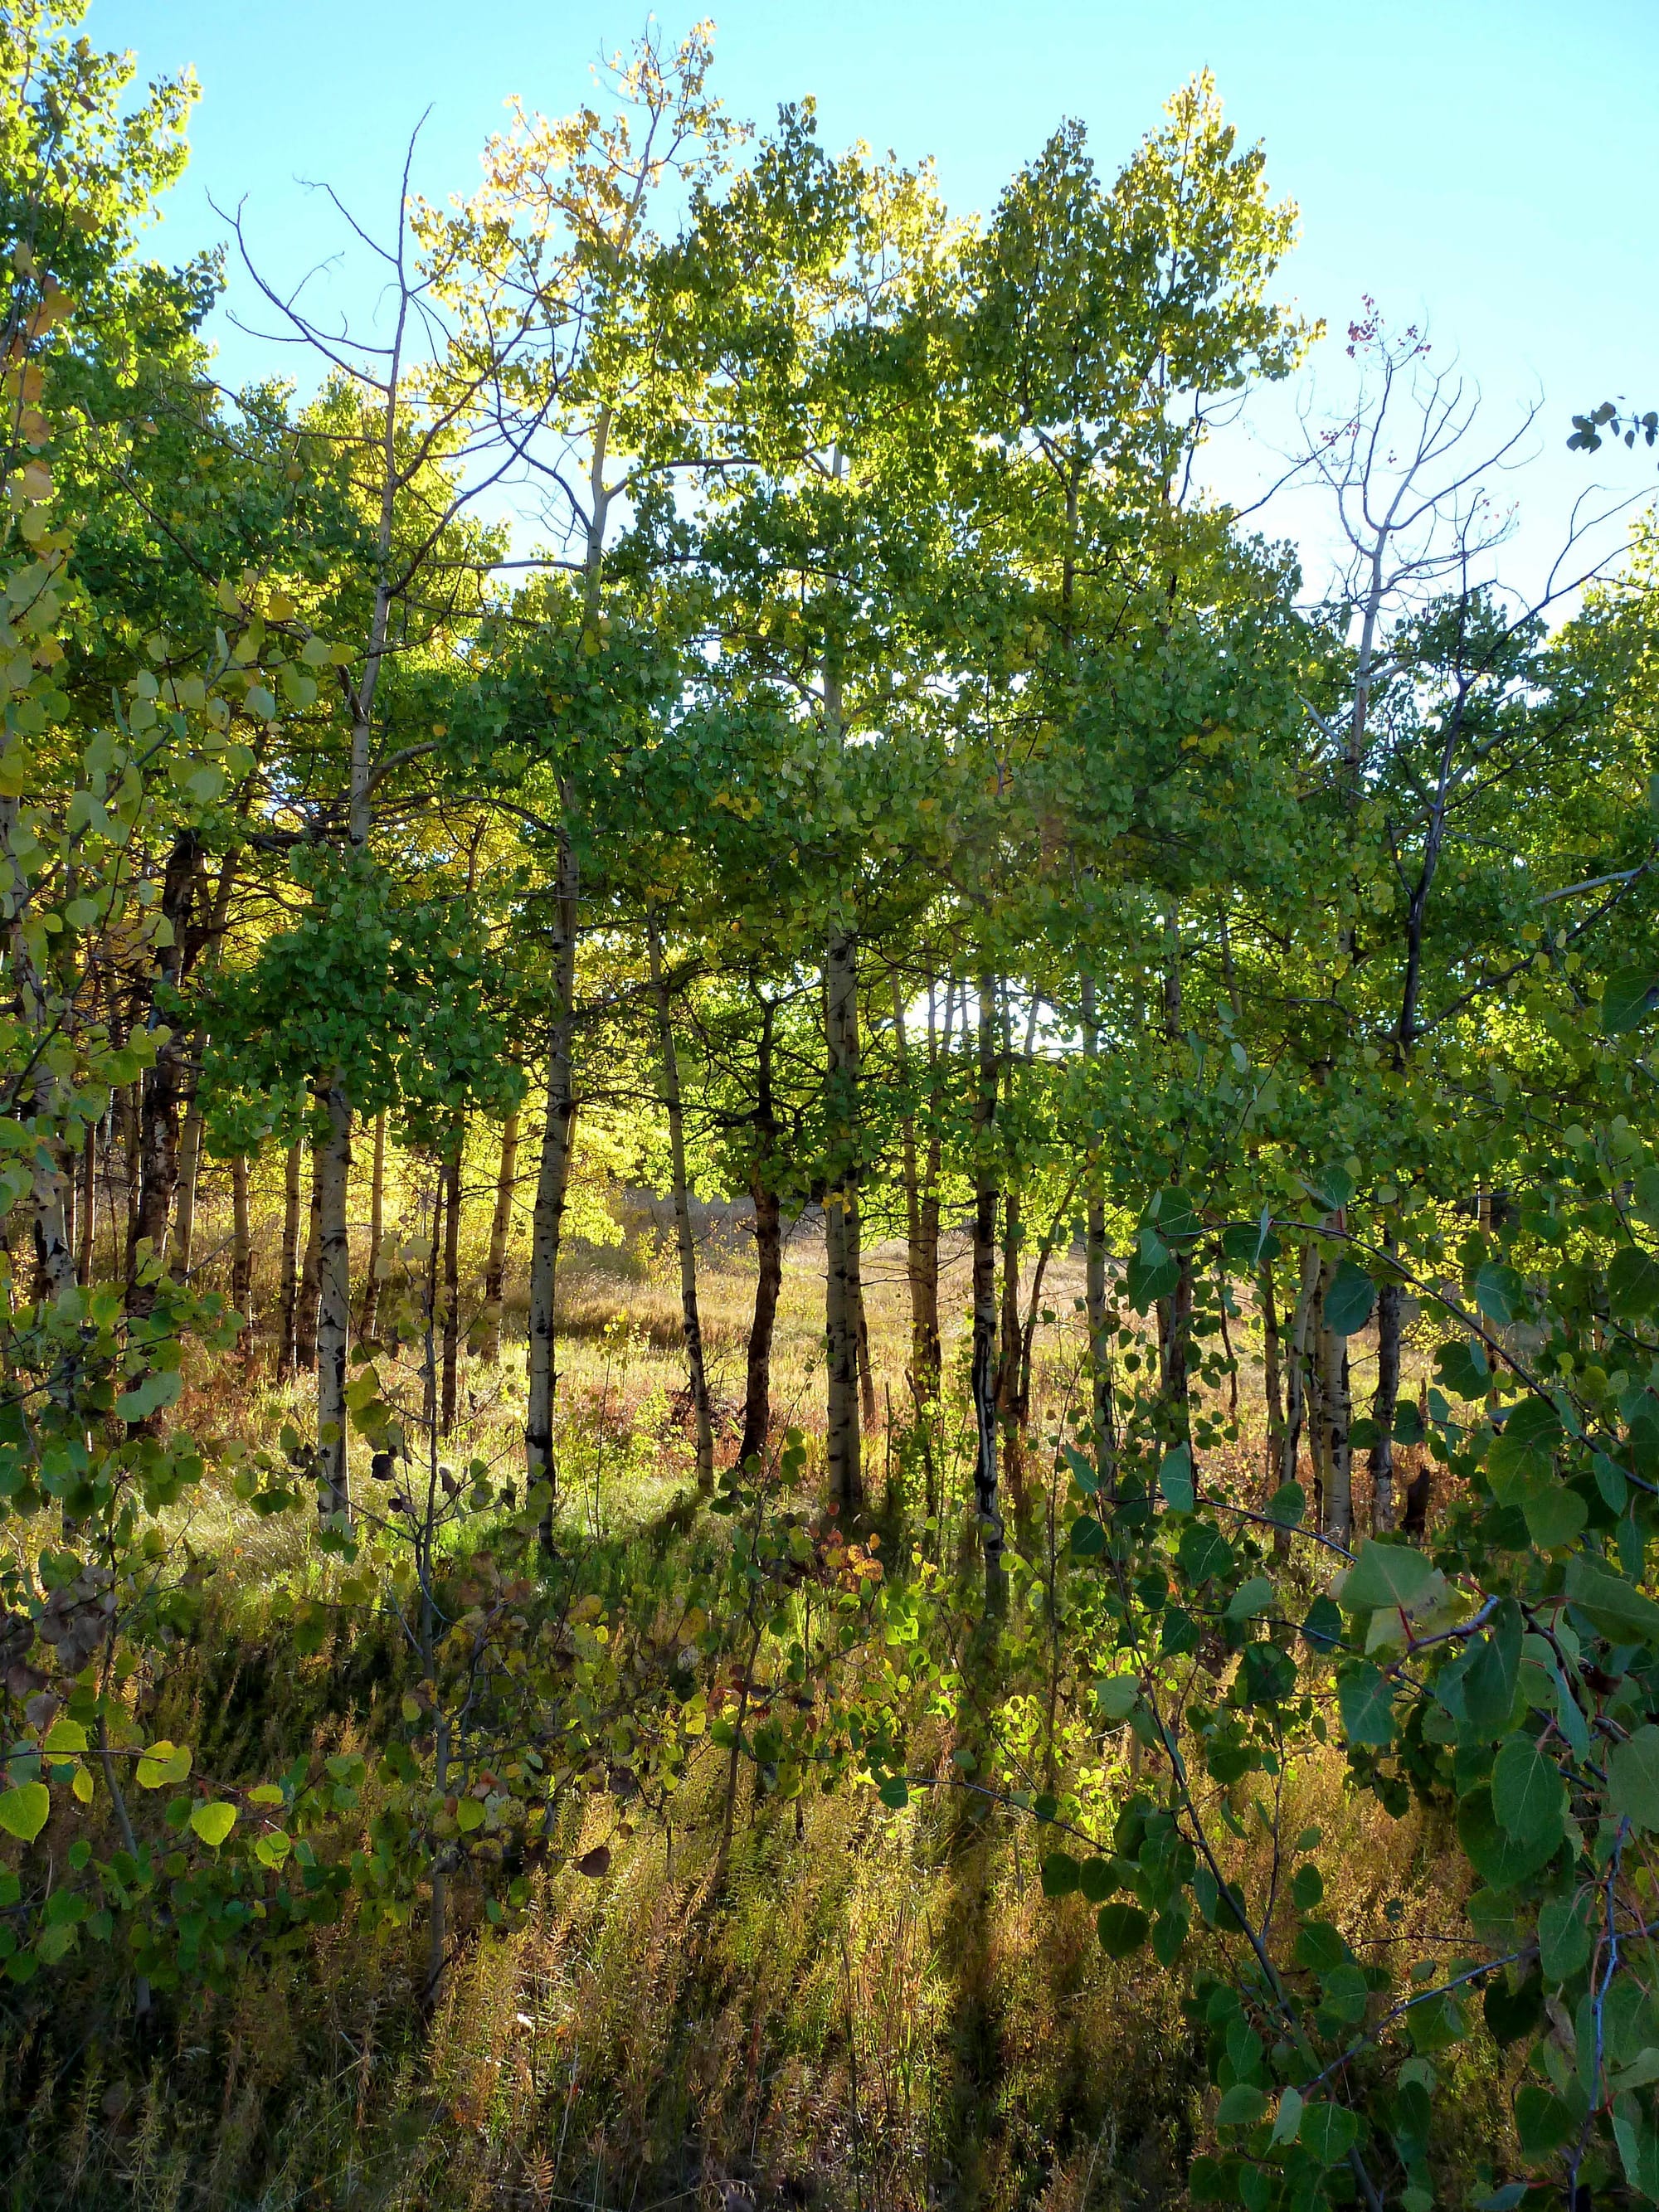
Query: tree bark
(932, 1359)
(203, 938)
(306, 1313)
(982, 1359)
(501, 1225)
(552, 1183)
(190, 1171)
(1296, 1392)
(451, 1339)
(768, 1246)
(1384, 1404)
(241, 1254)
(161, 1086)
(1339, 1458)
(1094, 1268)
(916, 1266)
(862, 1323)
(1008, 1351)
(288, 1350)
(332, 1187)
(87, 1219)
(126, 1110)
(1271, 1381)
(843, 1293)
(768, 1253)
(673, 1106)
(376, 1231)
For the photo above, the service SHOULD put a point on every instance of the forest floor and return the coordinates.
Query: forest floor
(863, 2009)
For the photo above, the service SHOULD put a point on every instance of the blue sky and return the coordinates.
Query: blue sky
(1487, 168)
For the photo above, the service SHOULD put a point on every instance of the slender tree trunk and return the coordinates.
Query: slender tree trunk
(1271, 1381)
(1338, 1459)
(126, 1108)
(201, 940)
(241, 1254)
(768, 1252)
(552, 1183)
(87, 1218)
(982, 1361)
(376, 1231)
(1094, 1267)
(862, 1323)
(1296, 1392)
(1384, 1404)
(334, 1303)
(451, 1307)
(1033, 1311)
(843, 1294)
(161, 1086)
(54, 1255)
(306, 1315)
(288, 1350)
(1008, 1350)
(916, 1266)
(768, 1249)
(939, 1056)
(1175, 1331)
(189, 1171)
(501, 1227)
(673, 1106)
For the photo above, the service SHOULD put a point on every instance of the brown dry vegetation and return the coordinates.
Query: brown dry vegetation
(871, 2010)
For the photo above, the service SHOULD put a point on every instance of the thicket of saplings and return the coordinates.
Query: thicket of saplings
(830, 1285)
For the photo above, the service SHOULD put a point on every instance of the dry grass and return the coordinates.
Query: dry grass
(874, 2009)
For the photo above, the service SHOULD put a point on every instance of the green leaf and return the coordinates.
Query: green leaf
(1323, 1624)
(1542, 2121)
(1349, 1296)
(1462, 1370)
(1384, 1575)
(1500, 1293)
(1633, 1283)
(1204, 1552)
(1099, 1878)
(1500, 1859)
(1511, 2013)
(1523, 1456)
(1175, 1479)
(1059, 1875)
(1631, 996)
(895, 1792)
(1241, 2106)
(1088, 1536)
(1178, 1217)
(163, 1765)
(1251, 1598)
(1555, 1517)
(1617, 1607)
(1116, 1694)
(24, 1810)
(1121, 1929)
(214, 1822)
(1493, 1670)
(1288, 2119)
(1330, 2131)
(1529, 1796)
(1633, 1777)
(1366, 1698)
(1152, 1272)
(149, 1396)
(1287, 1505)
(1566, 1937)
